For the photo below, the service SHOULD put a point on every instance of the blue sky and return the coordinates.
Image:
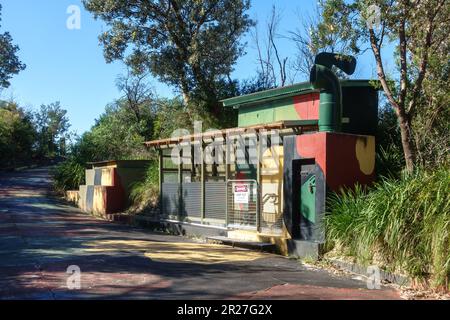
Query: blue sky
(68, 65)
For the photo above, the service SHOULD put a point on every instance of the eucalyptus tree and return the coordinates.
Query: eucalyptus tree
(9, 62)
(417, 29)
(189, 44)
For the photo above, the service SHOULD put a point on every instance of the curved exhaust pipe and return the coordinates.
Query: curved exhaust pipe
(322, 77)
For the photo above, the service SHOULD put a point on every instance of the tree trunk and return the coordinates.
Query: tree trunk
(407, 143)
(403, 117)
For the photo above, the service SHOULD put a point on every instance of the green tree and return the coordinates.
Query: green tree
(138, 98)
(52, 126)
(313, 35)
(9, 62)
(171, 116)
(117, 134)
(189, 44)
(17, 135)
(418, 29)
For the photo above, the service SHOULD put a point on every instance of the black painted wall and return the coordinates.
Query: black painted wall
(298, 229)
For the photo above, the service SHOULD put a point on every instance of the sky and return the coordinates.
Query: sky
(68, 65)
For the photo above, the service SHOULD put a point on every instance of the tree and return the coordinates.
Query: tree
(418, 28)
(136, 92)
(9, 62)
(272, 70)
(17, 135)
(313, 36)
(189, 44)
(52, 126)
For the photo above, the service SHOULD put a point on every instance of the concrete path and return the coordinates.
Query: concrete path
(40, 237)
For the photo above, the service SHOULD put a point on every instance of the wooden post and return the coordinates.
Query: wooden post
(192, 163)
(258, 181)
(227, 176)
(161, 177)
(202, 180)
(180, 183)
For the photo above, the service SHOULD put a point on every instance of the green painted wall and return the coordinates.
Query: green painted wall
(267, 112)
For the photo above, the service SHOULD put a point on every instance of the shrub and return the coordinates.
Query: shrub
(145, 194)
(405, 223)
(68, 175)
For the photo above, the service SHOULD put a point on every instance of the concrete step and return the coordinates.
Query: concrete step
(261, 246)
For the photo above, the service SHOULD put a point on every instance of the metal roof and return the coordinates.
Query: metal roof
(287, 91)
(120, 163)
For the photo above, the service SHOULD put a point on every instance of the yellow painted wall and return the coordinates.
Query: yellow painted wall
(272, 185)
(272, 201)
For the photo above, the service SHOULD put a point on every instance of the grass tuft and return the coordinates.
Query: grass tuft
(406, 222)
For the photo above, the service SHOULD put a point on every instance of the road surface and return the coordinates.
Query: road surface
(41, 237)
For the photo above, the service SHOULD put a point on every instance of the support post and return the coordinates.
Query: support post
(227, 176)
(258, 181)
(180, 183)
(161, 177)
(192, 163)
(202, 179)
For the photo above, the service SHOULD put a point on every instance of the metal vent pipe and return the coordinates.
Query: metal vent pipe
(322, 77)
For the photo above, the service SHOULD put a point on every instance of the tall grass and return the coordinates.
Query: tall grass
(68, 175)
(404, 224)
(145, 194)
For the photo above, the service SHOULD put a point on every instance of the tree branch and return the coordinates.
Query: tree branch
(380, 71)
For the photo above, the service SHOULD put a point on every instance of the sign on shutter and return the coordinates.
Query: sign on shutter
(242, 193)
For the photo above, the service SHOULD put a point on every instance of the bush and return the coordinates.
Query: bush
(145, 194)
(405, 224)
(389, 161)
(68, 175)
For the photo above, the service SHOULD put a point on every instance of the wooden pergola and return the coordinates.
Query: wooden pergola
(283, 128)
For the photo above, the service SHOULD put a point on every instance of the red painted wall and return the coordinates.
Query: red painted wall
(336, 155)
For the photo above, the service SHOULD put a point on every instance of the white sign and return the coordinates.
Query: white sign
(241, 193)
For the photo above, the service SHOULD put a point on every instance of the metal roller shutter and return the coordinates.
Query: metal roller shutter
(191, 199)
(169, 199)
(215, 201)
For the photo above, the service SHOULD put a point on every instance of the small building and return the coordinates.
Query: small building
(298, 143)
(108, 185)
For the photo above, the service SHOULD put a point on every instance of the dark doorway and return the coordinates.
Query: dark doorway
(303, 198)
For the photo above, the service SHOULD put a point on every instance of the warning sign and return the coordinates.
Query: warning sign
(241, 193)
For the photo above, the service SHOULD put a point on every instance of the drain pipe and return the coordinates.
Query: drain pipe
(322, 77)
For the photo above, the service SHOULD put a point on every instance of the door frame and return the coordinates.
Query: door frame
(297, 165)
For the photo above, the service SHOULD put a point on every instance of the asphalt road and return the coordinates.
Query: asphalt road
(41, 237)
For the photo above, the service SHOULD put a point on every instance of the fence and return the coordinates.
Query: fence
(233, 204)
(242, 204)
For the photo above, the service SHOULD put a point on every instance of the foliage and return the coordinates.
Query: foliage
(191, 45)
(431, 125)
(389, 156)
(52, 125)
(315, 34)
(272, 66)
(420, 35)
(9, 62)
(138, 97)
(118, 134)
(17, 135)
(145, 193)
(404, 224)
(68, 175)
